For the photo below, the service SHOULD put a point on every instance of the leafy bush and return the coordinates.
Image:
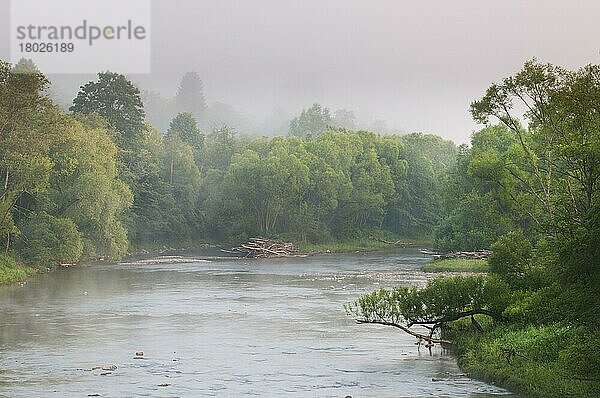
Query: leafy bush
(47, 240)
(442, 299)
(474, 225)
(511, 255)
(581, 357)
(12, 271)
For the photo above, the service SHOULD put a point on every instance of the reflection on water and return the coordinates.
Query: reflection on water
(222, 328)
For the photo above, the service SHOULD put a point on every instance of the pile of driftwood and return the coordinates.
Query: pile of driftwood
(266, 248)
(476, 255)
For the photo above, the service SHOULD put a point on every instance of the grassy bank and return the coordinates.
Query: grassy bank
(12, 271)
(456, 265)
(537, 361)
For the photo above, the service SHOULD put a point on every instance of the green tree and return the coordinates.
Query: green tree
(442, 301)
(419, 199)
(511, 256)
(477, 193)
(557, 164)
(190, 96)
(67, 182)
(220, 146)
(149, 220)
(372, 188)
(183, 176)
(49, 241)
(560, 152)
(85, 186)
(119, 102)
(267, 187)
(185, 127)
(312, 121)
(475, 224)
(24, 168)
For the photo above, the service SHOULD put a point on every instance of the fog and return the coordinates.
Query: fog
(415, 65)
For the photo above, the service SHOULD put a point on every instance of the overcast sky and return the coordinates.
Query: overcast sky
(416, 64)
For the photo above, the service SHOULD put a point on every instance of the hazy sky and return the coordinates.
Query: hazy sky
(416, 64)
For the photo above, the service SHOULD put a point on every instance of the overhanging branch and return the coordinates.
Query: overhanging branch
(406, 330)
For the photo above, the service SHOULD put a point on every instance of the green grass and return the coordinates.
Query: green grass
(456, 265)
(552, 361)
(12, 271)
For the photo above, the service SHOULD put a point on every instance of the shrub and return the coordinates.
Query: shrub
(512, 253)
(47, 240)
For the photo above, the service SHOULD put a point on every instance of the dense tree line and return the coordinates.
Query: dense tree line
(101, 177)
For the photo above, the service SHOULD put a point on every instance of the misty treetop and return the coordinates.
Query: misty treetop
(118, 101)
(311, 122)
(190, 96)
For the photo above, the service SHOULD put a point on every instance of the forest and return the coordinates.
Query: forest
(100, 181)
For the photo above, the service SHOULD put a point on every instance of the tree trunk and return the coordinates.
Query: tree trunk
(7, 246)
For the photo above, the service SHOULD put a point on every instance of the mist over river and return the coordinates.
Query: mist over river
(218, 327)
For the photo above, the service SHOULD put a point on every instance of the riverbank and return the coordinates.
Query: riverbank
(366, 244)
(360, 245)
(536, 361)
(12, 271)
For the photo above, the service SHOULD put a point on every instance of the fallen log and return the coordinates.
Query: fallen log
(266, 248)
(474, 255)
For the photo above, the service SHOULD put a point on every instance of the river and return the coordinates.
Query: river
(218, 327)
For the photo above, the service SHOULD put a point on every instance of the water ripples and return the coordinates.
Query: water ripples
(218, 327)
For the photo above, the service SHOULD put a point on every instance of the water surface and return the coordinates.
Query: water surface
(222, 328)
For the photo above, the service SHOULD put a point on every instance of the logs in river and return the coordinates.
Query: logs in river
(266, 248)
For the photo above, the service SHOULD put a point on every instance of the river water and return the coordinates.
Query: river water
(218, 327)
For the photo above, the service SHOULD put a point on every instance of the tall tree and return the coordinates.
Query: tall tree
(558, 162)
(185, 126)
(555, 165)
(266, 187)
(62, 196)
(118, 101)
(190, 96)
